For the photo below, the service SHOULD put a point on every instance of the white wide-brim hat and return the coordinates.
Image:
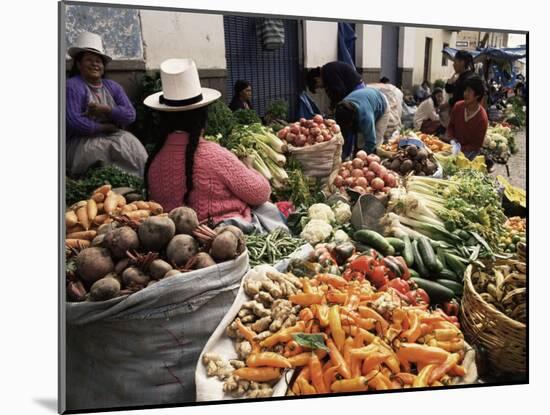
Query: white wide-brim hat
(181, 88)
(88, 42)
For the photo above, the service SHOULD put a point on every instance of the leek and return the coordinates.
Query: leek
(267, 151)
(260, 166)
(278, 172)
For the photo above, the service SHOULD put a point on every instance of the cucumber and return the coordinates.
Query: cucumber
(397, 243)
(447, 274)
(362, 247)
(413, 273)
(438, 293)
(418, 261)
(407, 251)
(439, 265)
(455, 264)
(440, 253)
(427, 253)
(375, 240)
(452, 285)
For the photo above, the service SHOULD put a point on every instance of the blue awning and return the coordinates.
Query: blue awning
(497, 54)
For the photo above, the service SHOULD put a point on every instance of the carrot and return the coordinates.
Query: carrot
(269, 359)
(103, 189)
(88, 235)
(82, 215)
(100, 219)
(258, 374)
(317, 375)
(77, 243)
(155, 208)
(138, 214)
(98, 197)
(110, 203)
(91, 209)
(70, 218)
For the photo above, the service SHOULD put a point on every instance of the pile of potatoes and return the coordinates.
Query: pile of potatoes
(118, 258)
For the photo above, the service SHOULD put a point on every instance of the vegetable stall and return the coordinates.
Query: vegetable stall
(430, 291)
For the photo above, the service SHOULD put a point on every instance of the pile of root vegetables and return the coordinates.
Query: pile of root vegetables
(365, 174)
(412, 159)
(304, 132)
(129, 251)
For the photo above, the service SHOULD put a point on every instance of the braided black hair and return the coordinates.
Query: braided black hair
(193, 122)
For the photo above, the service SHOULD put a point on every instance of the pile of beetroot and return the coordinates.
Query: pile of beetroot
(130, 255)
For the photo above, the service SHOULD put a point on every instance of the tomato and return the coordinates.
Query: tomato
(363, 263)
(378, 276)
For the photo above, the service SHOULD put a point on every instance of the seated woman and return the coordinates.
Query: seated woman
(186, 169)
(365, 111)
(97, 110)
(242, 95)
(426, 118)
(468, 122)
(423, 92)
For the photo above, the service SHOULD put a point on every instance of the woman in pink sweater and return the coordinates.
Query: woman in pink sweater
(187, 170)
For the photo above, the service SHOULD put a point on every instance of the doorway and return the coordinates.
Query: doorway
(389, 55)
(427, 59)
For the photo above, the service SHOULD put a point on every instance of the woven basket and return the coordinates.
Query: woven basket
(503, 338)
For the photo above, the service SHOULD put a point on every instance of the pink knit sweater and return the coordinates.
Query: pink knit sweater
(223, 187)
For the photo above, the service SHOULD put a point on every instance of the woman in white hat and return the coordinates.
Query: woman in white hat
(97, 111)
(186, 169)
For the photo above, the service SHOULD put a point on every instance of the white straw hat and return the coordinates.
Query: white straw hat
(181, 88)
(88, 42)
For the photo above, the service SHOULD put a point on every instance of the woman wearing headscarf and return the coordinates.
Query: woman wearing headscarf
(98, 110)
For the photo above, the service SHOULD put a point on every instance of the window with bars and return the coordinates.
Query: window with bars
(274, 75)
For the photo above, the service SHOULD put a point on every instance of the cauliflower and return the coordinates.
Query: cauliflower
(342, 212)
(316, 231)
(322, 212)
(340, 236)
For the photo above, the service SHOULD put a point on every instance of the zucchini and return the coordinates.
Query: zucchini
(427, 253)
(455, 264)
(439, 265)
(452, 285)
(407, 251)
(441, 256)
(438, 293)
(397, 243)
(413, 273)
(375, 240)
(447, 274)
(418, 261)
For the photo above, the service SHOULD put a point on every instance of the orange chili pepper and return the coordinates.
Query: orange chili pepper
(446, 334)
(304, 299)
(348, 345)
(358, 384)
(355, 367)
(306, 285)
(301, 359)
(378, 381)
(306, 314)
(422, 378)
(304, 373)
(334, 280)
(352, 302)
(458, 370)
(451, 346)
(335, 324)
(308, 327)
(414, 331)
(269, 359)
(412, 352)
(292, 349)
(317, 374)
(258, 374)
(439, 371)
(283, 335)
(405, 378)
(367, 312)
(338, 297)
(329, 375)
(306, 388)
(364, 352)
(296, 389)
(373, 360)
(425, 329)
(338, 360)
(321, 312)
(246, 332)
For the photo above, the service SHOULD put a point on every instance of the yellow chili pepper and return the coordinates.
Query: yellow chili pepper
(322, 314)
(269, 359)
(306, 388)
(358, 384)
(304, 299)
(423, 376)
(258, 374)
(317, 375)
(338, 360)
(335, 324)
(283, 335)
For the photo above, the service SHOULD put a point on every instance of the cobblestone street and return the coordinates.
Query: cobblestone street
(517, 163)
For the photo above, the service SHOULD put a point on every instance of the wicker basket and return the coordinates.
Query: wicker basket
(503, 338)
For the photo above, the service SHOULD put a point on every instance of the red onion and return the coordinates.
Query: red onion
(357, 163)
(318, 119)
(362, 154)
(357, 173)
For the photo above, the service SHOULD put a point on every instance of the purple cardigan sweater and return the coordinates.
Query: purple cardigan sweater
(79, 124)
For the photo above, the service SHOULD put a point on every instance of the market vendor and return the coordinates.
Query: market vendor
(186, 169)
(97, 111)
(242, 96)
(366, 112)
(423, 92)
(468, 121)
(426, 118)
(338, 79)
(463, 66)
